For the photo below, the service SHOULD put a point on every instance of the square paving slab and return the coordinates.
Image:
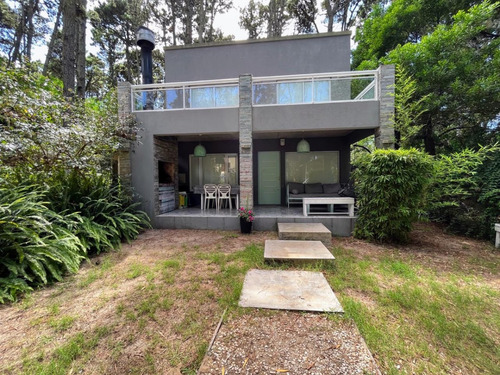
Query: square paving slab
(288, 290)
(305, 231)
(296, 250)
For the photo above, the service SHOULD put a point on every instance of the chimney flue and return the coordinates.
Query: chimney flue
(146, 40)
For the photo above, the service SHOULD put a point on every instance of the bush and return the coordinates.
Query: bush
(37, 245)
(466, 192)
(391, 187)
(107, 212)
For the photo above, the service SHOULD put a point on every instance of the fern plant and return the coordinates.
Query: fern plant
(107, 212)
(37, 245)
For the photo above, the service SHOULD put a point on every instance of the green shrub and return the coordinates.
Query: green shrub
(466, 191)
(37, 245)
(391, 187)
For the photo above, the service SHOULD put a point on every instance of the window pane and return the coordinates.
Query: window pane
(312, 167)
(213, 169)
(289, 93)
(264, 93)
(340, 89)
(200, 98)
(321, 91)
(232, 170)
(174, 99)
(226, 96)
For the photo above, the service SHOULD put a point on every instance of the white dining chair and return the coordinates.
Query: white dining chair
(224, 195)
(211, 194)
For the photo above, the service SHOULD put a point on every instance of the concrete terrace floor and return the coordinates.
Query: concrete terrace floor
(266, 219)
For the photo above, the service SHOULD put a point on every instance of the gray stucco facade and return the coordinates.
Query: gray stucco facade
(170, 136)
(262, 57)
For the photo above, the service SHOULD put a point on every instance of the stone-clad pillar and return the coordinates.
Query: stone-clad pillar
(384, 134)
(246, 128)
(121, 158)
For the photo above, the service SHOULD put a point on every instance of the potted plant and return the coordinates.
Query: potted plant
(246, 219)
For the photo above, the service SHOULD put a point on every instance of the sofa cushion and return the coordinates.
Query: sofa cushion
(331, 188)
(314, 188)
(296, 188)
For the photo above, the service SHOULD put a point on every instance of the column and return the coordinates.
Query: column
(122, 156)
(384, 134)
(246, 155)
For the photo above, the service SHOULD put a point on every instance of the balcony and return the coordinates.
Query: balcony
(266, 91)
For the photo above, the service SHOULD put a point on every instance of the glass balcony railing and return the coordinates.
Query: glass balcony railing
(183, 96)
(280, 90)
(314, 89)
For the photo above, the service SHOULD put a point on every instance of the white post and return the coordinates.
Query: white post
(497, 238)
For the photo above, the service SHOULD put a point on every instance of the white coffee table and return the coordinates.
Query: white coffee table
(331, 202)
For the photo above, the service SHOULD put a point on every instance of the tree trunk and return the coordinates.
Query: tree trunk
(329, 15)
(50, 48)
(430, 144)
(81, 17)
(69, 47)
(18, 36)
(32, 7)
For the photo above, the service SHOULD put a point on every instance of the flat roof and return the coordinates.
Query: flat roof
(263, 40)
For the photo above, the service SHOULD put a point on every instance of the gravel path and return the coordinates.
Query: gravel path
(288, 343)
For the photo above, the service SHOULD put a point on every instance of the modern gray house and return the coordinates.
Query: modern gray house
(257, 115)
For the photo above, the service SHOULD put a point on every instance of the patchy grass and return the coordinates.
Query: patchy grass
(427, 308)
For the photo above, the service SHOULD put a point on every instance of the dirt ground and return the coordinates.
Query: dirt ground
(152, 307)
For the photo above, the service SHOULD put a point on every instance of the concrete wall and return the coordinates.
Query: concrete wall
(349, 115)
(265, 57)
(194, 121)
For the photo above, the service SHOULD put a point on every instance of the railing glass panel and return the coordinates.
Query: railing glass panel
(314, 90)
(281, 90)
(185, 97)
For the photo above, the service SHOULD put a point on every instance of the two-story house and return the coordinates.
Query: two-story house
(255, 114)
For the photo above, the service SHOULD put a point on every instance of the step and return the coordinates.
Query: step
(305, 231)
(292, 250)
(288, 290)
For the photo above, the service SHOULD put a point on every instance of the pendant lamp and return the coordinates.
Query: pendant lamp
(303, 146)
(200, 151)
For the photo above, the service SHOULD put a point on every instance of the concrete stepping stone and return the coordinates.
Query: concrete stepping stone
(291, 250)
(288, 290)
(305, 231)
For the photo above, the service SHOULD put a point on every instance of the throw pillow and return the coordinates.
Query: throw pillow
(331, 188)
(295, 191)
(296, 186)
(314, 188)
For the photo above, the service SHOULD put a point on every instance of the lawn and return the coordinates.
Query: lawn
(430, 307)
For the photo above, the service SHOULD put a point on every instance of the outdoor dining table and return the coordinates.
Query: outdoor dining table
(235, 191)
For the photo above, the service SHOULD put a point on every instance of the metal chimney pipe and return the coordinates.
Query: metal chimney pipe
(146, 40)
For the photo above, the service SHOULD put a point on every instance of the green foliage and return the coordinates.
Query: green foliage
(391, 187)
(403, 21)
(57, 200)
(466, 191)
(37, 245)
(457, 73)
(42, 131)
(450, 51)
(107, 212)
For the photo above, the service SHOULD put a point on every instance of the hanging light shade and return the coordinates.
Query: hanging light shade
(303, 146)
(200, 151)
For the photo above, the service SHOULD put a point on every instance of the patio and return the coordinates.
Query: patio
(266, 219)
